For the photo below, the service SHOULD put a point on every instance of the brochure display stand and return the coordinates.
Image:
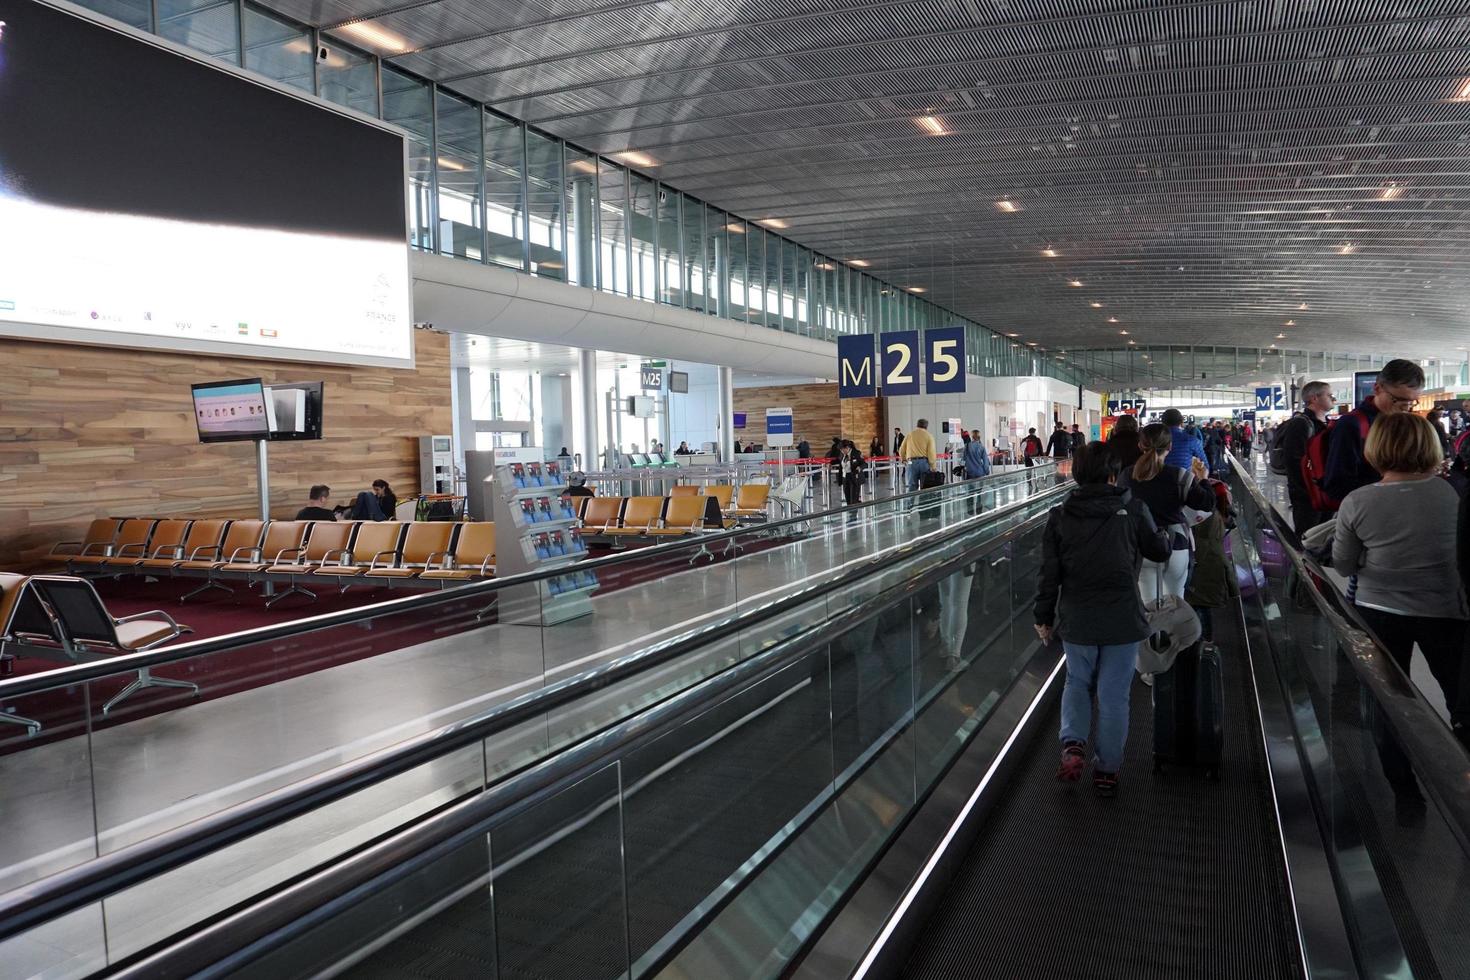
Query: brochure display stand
(535, 529)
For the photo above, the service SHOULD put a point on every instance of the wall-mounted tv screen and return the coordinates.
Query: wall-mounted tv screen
(294, 410)
(679, 382)
(154, 199)
(231, 411)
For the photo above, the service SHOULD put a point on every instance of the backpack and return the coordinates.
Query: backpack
(1277, 458)
(1314, 462)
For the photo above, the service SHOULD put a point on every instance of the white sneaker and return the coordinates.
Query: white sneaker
(1147, 679)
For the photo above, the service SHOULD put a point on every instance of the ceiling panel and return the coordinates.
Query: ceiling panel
(1208, 171)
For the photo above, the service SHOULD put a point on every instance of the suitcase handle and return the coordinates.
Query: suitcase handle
(999, 560)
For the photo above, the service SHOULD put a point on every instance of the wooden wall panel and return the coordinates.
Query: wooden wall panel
(817, 413)
(92, 431)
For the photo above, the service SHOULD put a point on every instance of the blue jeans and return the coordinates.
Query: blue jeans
(1107, 670)
(917, 468)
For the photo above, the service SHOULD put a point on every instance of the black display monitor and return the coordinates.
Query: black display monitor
(294, 410)
(679, 382)
(231, 411)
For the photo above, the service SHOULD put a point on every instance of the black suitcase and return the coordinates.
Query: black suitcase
(928, 481)
(1188, 702)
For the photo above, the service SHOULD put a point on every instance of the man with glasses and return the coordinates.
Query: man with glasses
(1396, 389)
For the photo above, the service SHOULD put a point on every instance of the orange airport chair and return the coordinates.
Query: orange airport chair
(131, 537)
(99, 536)
(685, 515)
(282, 540)
(241, 542)
(722, 492)
(601, 514)
(473, 558)
(684, 490)
(426, 541)
(752, 500)
(202, 542)
(327, 539)
(579, 506)
(376, 541)
(639, 516)
(167, 543)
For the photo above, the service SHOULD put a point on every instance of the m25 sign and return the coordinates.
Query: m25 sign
(901, 358)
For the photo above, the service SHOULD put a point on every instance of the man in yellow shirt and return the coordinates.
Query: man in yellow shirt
(918, 452)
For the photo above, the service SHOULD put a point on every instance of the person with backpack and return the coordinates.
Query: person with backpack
(1031, 447)
(1166, 490)
(1090, 554)
(1213, 585)
(1392, 535)
(1345, 467)
(1291, 446)
(1184, 445)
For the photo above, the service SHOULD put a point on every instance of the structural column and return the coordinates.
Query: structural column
(586, 442)
(726, 389)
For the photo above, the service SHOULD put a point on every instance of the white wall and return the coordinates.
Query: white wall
(1030, 400)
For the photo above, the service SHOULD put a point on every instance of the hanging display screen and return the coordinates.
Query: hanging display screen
(151, 200)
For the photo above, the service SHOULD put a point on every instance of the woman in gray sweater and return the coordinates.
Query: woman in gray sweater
(1397, 536)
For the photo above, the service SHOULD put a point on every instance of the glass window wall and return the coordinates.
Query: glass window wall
(348, 77)
(134, 13)
(546, 201)
(695, 264)
(669, 265)
(643, 237)
(581, 211)
(612, 216)
(208, 26)
(459, 164)
(505, 192)
(279, 49)
(407, 103)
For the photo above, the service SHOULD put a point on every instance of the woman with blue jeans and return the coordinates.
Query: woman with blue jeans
(1091, 551)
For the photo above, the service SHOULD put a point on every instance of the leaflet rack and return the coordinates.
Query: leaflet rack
(535, 529)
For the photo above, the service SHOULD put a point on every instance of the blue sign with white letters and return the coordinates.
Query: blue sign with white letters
(944, 360)
(900, 359)
(1266, 399)
(856, 372)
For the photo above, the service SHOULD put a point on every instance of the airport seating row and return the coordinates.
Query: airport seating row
(383, 552)
(63, 618)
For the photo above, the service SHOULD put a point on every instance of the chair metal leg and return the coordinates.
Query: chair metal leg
(209, 583)
(33, 728)
(146, 679)
(293, 590)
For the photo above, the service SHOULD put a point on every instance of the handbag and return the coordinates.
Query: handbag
(1173, 626)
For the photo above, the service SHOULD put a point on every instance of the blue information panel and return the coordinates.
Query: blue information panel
(944, 360)
(900, 358)
(1272, 399)
(856, 372)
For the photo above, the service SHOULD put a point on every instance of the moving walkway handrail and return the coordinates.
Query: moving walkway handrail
(73, 674)
(46, 898)
(1437, 756)
(303, 905)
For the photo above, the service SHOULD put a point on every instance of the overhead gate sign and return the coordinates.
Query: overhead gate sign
(902, 359)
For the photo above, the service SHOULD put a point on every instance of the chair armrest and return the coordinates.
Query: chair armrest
(153, 614)
(175, 551)
(203, 549)
(286, 551)
(142, 549)
(248, 552)
(338, 551)
(56, 548)
(374, 563)
(105, 546)
(447, 556)
(487, 565)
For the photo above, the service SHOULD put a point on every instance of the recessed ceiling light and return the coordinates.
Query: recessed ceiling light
(1095, 305)
(1075, 283)
(824, 266)
(1013, 335)
(636, 158)
(1030, 343)
(583, 166)
(1390, 192)
(1145, 357)
(860, 263)
(1273, 347)
(374, 36)
(776, 223)
(1123, 332)
(1302, 307)
(1291, 323)
(1049, 252)
(931, 125)
(1347, 249)
(916, 289)
(735, 229)
(1112, 319)
(1010, 207)
(447, 164)
(1464, 91)
(1281, 336)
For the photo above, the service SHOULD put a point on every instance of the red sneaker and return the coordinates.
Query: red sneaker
(1074, 760)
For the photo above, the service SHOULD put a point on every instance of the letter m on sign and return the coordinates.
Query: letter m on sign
(855, 376)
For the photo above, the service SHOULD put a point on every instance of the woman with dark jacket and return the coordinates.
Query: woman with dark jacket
(1166, 491)
(1090, 555)
(1123, 440)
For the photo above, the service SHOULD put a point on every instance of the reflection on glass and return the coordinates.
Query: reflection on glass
(458, 163)
(348, 77)
(406, 103)
(543, 171)
(695, 264)
(643, 234)
(277, 49)
(755, 298)
(581, 210)
(612, 216)
(208, 26)
(134, 13)
(505, 208)
(669, 270)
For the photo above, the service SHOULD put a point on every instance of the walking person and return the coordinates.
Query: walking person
(917, 450)
(1031, 447)
(1123, 440)
(1060, 444)
(848, 468)
(1091, 550)
(1166, 490)
(1291, 445)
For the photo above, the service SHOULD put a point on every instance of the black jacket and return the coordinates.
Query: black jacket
(1060, 444)
(1091, 551)
(1167, 494)
(1347, 470)
(858, 464)
(1125, 447)
(1292, 437)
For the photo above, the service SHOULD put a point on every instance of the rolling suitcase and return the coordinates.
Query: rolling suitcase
(930, 480)
(1188, 701)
